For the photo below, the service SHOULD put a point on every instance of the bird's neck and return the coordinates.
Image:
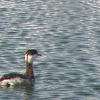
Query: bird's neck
(29, 70)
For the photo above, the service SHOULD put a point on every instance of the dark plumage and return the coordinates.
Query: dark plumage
(32, 52)
(13, 75)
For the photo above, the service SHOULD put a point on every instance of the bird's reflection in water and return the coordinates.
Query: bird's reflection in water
(25, 91)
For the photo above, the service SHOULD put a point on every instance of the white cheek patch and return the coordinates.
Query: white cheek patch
(30, 58)
(34, 56)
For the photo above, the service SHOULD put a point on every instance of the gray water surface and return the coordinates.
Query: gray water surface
(66, 33)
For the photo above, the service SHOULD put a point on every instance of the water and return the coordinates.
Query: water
(66, 33)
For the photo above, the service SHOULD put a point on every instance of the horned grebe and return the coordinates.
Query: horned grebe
(13, 79)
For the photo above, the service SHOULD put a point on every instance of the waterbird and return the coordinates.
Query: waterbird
(16, 79)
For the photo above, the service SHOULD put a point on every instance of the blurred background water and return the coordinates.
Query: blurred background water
(66, 33)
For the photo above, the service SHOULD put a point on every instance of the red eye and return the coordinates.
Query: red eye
(39, 55)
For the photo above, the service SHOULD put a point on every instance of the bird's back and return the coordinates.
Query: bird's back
(14, 79)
